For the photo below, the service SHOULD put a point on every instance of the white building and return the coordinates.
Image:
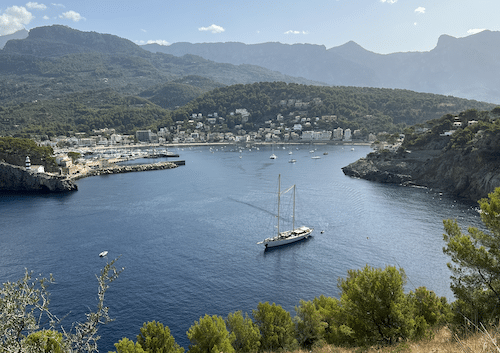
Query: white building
(338, 133)
(316, 135)
(347, 135)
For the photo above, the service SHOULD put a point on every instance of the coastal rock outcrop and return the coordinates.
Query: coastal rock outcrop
(17, 179)
(469, 174)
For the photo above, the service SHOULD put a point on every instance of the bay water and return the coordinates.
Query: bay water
(187, 236)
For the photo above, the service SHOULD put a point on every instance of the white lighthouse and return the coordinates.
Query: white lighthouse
(28, 163)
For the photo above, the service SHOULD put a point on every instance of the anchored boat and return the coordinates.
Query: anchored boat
(288, 236)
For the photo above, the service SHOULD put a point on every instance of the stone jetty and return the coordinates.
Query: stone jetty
(116, 169)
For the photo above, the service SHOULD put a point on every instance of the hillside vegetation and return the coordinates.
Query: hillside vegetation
(369, 109)
(59, 81)
(56, 60)
(15, 150)
(457, 154)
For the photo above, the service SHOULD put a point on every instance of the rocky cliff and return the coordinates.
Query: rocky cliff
(18, 179)
(464, 176)
(465, 164)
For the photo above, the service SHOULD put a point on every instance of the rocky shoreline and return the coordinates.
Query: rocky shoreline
(17, 179)
(470, 175)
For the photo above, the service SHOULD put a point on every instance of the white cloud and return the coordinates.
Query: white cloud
(143, 30)
(36, 6)
(58, 5)
(475, 30)
(420, 9)
(296, 32)
(14, 19)
(389, 1)
(46, 17)
(158, 41)
(212, 28)
(72, 15)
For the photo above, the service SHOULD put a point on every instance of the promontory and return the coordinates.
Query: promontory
(19, 179)
(459, 155)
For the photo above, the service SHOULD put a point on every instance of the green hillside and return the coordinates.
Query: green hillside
(371, 110)
(56, 60)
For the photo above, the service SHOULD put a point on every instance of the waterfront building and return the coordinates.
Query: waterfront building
(143, 135)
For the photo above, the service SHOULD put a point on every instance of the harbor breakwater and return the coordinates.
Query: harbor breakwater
(116, 169)
(17, 179)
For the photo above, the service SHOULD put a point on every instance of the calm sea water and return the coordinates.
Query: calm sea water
(187, 237)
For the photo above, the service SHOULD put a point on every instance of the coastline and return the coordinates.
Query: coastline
(225, 143)
(108, 166)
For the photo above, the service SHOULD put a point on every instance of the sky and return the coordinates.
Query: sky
(380, 26)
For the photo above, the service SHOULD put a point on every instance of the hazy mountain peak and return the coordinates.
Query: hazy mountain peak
(445, 40)
(21, 34)
(57, 40)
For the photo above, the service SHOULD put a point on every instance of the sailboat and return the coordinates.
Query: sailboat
(273, 156)
(288, 236)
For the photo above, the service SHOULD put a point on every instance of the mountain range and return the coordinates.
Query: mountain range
(53, 61)
(463, 67)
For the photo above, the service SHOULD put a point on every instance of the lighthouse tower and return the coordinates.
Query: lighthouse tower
(28, 163)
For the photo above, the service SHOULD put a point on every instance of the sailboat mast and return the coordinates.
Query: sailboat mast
(293, 219)
(279, 196)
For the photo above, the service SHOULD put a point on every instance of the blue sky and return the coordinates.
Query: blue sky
(381, 26)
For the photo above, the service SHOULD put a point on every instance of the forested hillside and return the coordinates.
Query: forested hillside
(56, 60)
(81, 112)
(369, 109)
(373, 109)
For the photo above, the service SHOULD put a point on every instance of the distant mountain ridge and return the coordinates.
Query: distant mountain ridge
(55, 60)
(463, 67)
(17, 35)
(55, 41)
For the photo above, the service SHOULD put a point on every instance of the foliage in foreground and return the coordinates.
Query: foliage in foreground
(372, 310)
(475, 257)
(29, 326)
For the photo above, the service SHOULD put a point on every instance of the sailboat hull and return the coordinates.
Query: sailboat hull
(288, 237)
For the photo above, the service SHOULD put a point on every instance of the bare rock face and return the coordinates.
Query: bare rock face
(468, 174)
(18, 179)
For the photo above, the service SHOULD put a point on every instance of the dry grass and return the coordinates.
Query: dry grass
(442, 342)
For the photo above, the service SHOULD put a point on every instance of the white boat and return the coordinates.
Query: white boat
(288, 236)
(273, 156)
(292, 160)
